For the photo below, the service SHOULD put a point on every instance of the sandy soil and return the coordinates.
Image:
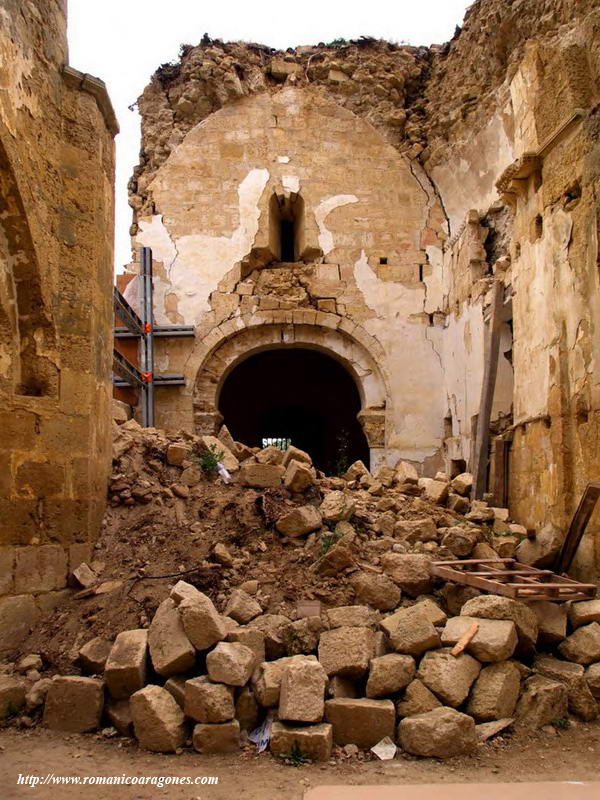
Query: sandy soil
(565, 755)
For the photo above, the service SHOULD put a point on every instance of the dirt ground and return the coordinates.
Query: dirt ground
(563, 755)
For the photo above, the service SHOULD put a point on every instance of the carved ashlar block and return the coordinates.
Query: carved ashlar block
(372, 421)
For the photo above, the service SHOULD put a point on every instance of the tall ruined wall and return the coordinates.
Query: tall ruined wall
(519, 79)
(56, 256)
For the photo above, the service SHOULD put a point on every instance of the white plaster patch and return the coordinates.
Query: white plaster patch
(283, 159)
(323, 210)
(291, 184)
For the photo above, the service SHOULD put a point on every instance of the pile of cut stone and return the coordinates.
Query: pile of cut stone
(352, 675)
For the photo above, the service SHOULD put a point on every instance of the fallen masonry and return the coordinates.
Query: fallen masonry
(350, 651)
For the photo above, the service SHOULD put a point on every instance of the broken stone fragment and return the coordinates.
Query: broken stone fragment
(406, 473)
(230, 663)
(36, 695)
(495, 639)
(494, 606)
(171, 651)
(495, 692)
(542, 701)
(127, 664)
(449, 677)
(434, 491)
(270, 455)
(266, 679)
(202, 623)
(336, 559)
(375, 590)
(353, 616)
(208, 702)
(175, 686)
(295, 454)
(541, 551)
(252, 638)
(242, 607)
(315, 741)
(582, 646)
(337, 506)
(29, 662)
(416, 530)
(94, 654)
(409, 631)
(579, 697)
(417, 699)
(299, 521)
(552, 621)
(226, 457)
(356, 471)
(82, 577)
(74, 704)
(443, 733)
(118, 713)
(271, 626)
(12, 696)
(592, 677)
(457, 503)
(389, 673)
(363, 722)
(584, 612)
(462, 484)
(460, 541)
(261, 476)
(302, 694)
(409, 571)
(246, 709)
(302, 636)
(158, 722)
(298, 476)
(346, 651)
(177, 453)
(223, 737)
(222, 556)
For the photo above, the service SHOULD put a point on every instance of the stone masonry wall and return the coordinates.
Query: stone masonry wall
(56, 257)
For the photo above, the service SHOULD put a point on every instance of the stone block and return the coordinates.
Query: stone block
(177, 453)
(7, 568)
(36, 695)
(434, 491)
(375, 590)
(584, 612)
(460, 541)
(40, 568)
(406, 473)
(202, 622)
(542, 551)
(341, 687)
(346, 651)
(223, 737)
(29, 662)
(457, 503)
(242, 607)
(299, 521)
(410, 631)
(171, 651)
(416, 530)
(337, 506)
(208, 702)
(302, 636)
(351, 616)
(271, 626)
(298, 476)
(295, 454)
(252, 638)
(74, 704)
(495, 692)
(417, 699)
(455, 596)
(390, 673)
(302, 691)
(409, 571)
(158, 721)
(127, 664)
(462, 484)
(246, 709)
(270, 455)
(450, 678)
(266, 680)
(175, 686)
(314, 741)
(580, 699)
(227, 458)
(552, 621)
(82, 577)
(231, 663)
(335, 560)
(493, 606)
(363, 722)
(261, 476)
(442, 733)
(582, 646)
(94, 654)
(592, 677)
(118, 713)
(542, 701)
(12, 695)
(495, 640)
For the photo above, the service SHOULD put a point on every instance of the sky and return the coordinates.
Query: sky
(124, 41)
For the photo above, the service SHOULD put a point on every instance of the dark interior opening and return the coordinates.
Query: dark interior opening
(299, 394)
(287, 240)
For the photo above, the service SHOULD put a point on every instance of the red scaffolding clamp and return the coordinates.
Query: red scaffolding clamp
(147, 377)
(147, 326)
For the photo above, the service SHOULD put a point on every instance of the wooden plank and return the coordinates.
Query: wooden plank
(579, 523)
(464, 639)
(506, 574)
(492, 350)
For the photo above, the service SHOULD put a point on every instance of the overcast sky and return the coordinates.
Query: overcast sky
(124, 41)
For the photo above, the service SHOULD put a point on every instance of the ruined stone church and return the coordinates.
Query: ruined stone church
(387, 253)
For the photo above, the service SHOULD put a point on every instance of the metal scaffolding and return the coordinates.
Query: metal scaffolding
(142, 328)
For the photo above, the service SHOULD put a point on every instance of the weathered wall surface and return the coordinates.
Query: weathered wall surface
(463, 165)
(56, 232)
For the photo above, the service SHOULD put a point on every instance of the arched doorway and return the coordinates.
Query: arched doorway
(298, 394)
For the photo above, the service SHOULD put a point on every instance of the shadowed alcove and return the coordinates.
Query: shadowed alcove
(297, 394)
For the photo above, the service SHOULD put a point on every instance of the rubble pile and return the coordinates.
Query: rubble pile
(306, 617)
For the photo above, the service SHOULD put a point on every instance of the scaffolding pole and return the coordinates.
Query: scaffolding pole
(147, 342)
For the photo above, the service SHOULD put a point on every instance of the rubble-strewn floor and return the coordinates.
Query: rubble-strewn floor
(536, 757)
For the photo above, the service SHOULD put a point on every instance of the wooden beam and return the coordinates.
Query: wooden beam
(482, 436)
(579, 523)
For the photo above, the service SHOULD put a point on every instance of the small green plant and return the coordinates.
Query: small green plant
(10, 710)
(328, 540)
(296, 757)
(340, 42)
(209, 459)
(560, 722)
